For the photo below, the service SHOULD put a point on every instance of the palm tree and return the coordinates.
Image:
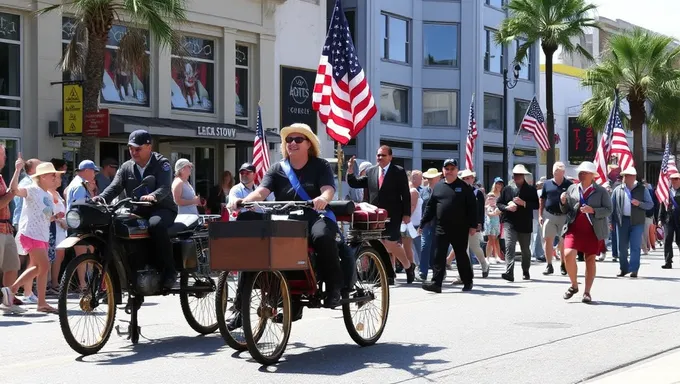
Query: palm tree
(641, 65)
(84, 55)
(555, 24)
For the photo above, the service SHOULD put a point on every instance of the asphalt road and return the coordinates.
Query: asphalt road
(521, 332)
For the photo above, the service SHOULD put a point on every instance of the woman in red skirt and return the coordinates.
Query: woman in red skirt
(588, 206)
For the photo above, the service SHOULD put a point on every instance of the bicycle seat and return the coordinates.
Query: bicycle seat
(183, 223)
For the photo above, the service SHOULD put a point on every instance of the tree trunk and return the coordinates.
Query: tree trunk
(550, 115)
(637, 119)
(94, 75)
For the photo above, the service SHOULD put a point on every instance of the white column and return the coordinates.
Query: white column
(163, 77)
(265, 81)
(228, 77)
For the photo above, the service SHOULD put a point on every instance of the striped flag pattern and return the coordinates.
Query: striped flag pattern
(613, 144)
(534, 122)
(668, 168)
(260, 150)
(341, 93)
(471, 137)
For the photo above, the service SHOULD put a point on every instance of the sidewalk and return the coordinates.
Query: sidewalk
(660, 370)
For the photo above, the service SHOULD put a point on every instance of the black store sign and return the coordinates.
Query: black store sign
(297, 85)
(582, 142)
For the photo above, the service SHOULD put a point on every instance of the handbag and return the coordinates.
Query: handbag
(659, 233)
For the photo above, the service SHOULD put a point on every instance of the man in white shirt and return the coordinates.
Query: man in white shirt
(245, 187)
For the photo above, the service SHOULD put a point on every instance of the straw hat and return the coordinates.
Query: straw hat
(520, 169)
(45, 169)
(675, 176)
(629, 171)
(431, 173)
(306, 131)
(588, 167)
(466, 173)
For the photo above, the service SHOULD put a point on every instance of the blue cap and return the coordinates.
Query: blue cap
(139, 138)
(448, 162)
(498, 180)
(87, 164)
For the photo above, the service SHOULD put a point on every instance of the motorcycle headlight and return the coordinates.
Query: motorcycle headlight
(73, 219)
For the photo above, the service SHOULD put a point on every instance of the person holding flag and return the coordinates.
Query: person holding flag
(668, 192)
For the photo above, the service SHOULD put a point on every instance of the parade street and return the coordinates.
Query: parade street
(521, 332)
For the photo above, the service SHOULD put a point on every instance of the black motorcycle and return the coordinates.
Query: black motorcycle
(116, 255)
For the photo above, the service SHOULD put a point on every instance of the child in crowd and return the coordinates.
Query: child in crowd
(492, 227)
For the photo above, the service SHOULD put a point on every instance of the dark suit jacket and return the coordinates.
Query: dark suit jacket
(669, 215)
(394, 196)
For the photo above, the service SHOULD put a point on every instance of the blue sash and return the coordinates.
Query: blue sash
(584, 201)
(292, 178)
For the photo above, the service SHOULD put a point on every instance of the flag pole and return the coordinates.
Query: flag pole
(341, 159)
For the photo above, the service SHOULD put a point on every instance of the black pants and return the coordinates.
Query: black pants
(160, 219)
(458, 239)
(671, 232)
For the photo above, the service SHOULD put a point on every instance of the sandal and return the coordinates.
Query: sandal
(48, 309)
(586, 298)
(570, 293)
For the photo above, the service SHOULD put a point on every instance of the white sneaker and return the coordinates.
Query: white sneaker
(7, 296)
(33, 299)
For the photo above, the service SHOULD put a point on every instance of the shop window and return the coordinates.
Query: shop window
(10, 71)
(394, 104)
(119, 86)
(242, 85)
(193, 75)
(204, 170)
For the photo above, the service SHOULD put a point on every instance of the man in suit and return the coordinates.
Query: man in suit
(161, 215)
(669, 216)
(387, 186)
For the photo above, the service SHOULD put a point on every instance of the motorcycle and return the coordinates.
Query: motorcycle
(117, 256)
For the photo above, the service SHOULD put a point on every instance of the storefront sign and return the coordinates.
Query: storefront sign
(297, 86)
(72, 105)
(582, 142)
(97, 123)
(543, 157)
(211, 131)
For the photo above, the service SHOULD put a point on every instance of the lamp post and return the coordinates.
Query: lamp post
(507, 84)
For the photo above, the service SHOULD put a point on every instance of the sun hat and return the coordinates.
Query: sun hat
(629, 171)
(45, 169)
(304, 130)
(520, 169)
(432, 173)
(181, 163)
(675, 176)
(587, 166)
(466, 173)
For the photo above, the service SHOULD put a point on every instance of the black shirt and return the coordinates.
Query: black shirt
(453, 205)
(522, 220)
(315, 174)
(551, 193)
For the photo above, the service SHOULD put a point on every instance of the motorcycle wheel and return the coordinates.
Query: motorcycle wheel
(86, 302)
(225, 304)
(365, 321)
(200, 315)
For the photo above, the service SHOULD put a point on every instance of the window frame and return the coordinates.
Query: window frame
(215, 75)
(518, 119)
(386, 38)
(247, 119)
(19, 98)
(456, 117)
(456, 65)
(488, 4)
(487, 57)
(409, 97)
(502, 117)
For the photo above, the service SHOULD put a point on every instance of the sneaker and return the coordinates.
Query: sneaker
(7, 296)
(33, 299)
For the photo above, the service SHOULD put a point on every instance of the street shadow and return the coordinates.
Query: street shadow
(485, 292)
(627, 277)
(14, 323)
(631, 305)
(340, 359)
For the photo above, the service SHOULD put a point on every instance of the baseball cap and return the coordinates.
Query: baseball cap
(247, 167)
(498, 180)
(87, 164)
(139, 138)
(448, 162)
(181, 163)
(110, 162)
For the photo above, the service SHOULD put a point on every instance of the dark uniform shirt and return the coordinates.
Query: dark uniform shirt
(453, 205)
(128, 178)
(552, 192)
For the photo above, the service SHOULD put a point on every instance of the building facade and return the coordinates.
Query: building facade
(424, 59)
(202, 106)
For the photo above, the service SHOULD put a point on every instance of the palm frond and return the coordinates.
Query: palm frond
(75, 55)
(132, 51)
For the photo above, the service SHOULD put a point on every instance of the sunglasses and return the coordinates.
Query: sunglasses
(297, 140)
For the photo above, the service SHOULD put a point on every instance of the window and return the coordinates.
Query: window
(493, 58)
(526, 65)
(495, 3)
(440, 44)
(493, 112)
(242, 85)
(440, 108)
(192, 72)
(521, 107)
(396, 38)
(393, 104)
(10, 71)
(119, 86)
(350, 15)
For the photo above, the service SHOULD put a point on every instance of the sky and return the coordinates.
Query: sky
(656, 15)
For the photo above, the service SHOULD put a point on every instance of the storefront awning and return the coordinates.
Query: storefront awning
(122, 125)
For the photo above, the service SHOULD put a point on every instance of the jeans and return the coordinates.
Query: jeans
(426, 249)
(537, 242)
(416, 247)
(615, 244)
(629, 236)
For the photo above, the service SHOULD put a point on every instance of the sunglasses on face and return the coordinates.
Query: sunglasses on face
(297, 140)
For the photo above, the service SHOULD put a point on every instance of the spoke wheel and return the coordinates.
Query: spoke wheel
(198, 308)
(87, 307)
(266, 306)
(365, 320)
(228, 313)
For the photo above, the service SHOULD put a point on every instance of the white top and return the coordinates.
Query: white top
(59, 207)
(417, 215)
(36, 212)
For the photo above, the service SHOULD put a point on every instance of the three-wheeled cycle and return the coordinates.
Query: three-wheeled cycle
(269, 276)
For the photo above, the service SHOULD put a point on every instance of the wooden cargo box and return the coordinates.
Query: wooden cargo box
(258, 245)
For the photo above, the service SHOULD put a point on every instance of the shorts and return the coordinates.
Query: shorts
(9, 257)
(553, 225)
(29, 244)
(392, 230)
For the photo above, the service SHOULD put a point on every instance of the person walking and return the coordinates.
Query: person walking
(669, 219)
(475, 240)
(432, 176)
(550, 216)
(517, 202)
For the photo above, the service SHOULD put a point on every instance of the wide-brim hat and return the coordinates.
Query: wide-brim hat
(629, 171)
(587, 166)
(520, 169)
(45, 169)
(304, 130)
(466, 173)
(432, 173)
(675, 176)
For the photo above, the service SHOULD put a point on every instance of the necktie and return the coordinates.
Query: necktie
(382, 177)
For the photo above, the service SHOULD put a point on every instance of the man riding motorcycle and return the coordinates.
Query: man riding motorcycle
(162, 213)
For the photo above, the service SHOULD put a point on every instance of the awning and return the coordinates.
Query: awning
(123, 125)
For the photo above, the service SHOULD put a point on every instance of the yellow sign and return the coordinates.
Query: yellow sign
(72, 100)
(544, 157)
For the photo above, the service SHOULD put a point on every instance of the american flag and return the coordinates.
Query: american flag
(534, 123)
(341, 92)
(471, 137)
(667, 169)
(613, 143)
(260, 150)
